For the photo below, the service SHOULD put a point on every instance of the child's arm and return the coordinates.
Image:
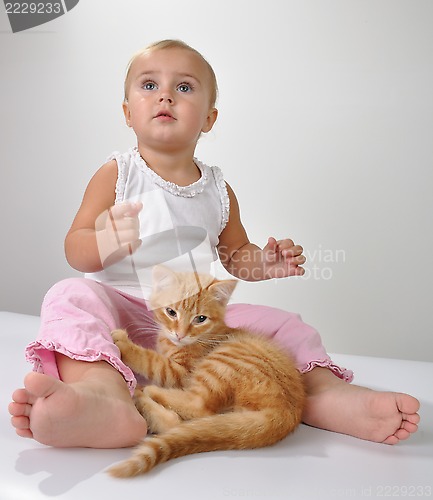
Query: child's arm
(245, 260)
(101, 233)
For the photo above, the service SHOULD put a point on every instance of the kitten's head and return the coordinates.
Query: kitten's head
(189, 307)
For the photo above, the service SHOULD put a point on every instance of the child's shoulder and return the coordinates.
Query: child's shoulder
(117, 164)
(104, 179)
(107, 170)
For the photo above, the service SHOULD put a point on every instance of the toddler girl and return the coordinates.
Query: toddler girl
(157, 203)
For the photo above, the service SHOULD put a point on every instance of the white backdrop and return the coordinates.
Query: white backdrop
(325, 133)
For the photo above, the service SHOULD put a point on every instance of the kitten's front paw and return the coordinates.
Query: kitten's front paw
(119, 336)
(122, 341)
(138, 393)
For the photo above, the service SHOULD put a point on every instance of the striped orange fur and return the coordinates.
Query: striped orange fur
(216, 388)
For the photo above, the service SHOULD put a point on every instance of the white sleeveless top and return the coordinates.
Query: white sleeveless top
(179, 225)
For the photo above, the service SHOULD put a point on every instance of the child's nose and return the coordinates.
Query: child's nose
(166, 96)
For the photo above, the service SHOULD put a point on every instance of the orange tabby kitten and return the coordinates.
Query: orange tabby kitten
(217, 388)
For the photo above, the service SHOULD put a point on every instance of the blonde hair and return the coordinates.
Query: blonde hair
(172, 44)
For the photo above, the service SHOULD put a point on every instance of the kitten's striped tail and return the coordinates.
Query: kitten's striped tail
(228, 431)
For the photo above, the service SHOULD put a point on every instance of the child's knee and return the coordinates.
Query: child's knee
(64, 286)
(71, 290)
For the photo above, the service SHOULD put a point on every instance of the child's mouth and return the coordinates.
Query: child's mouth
(164, 116)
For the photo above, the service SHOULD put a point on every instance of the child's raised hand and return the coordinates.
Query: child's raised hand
(117, 232)
(282, 259)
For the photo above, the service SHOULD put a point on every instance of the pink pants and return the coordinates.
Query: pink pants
(78, 315)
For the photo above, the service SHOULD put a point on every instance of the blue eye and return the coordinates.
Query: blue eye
(184, 87)
(149, 86)
(200, 319)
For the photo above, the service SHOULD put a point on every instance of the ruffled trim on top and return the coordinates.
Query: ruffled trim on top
(224, 196)
(34, 350)
(122, 168)
(340, 372)
(183, 191)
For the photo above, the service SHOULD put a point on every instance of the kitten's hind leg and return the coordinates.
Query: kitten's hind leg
(158, 418)
(185, 403)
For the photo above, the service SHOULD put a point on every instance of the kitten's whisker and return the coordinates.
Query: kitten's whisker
(151, 328)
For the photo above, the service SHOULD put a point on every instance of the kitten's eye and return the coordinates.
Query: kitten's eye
(200, 319)
(171, 312)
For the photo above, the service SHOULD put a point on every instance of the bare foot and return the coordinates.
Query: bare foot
(335, 405)
(90, 413)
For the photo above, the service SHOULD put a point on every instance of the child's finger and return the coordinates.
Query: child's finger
(298, 271)
(293, 251)
(126, 209)
(285, 244)
(299, 260)
(135, 209)
(270, 250)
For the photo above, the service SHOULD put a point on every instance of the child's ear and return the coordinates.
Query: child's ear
(126, 112)
(223, 290)
(210, 120)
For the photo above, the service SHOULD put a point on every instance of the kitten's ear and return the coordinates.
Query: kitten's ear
(163, 277)
(223, 290)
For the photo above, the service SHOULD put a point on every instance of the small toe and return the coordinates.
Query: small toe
(19, 409)
(21, 422)
(25, 433)
(391, 440)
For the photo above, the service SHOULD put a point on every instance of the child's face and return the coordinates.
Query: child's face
(168, 102)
